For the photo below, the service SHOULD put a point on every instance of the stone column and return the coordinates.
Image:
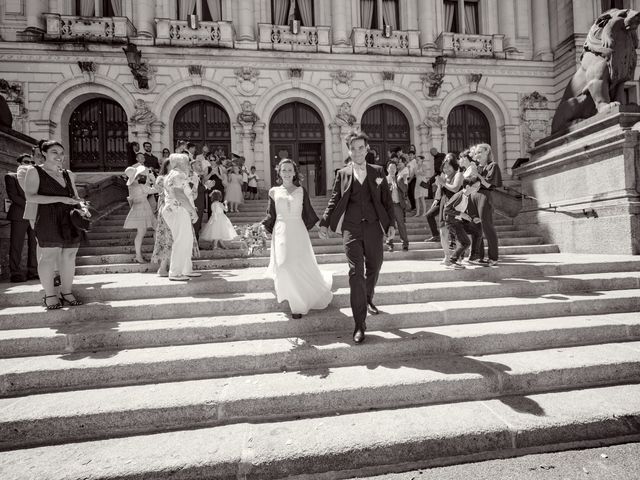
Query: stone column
(338, 22)
(507, 20)
(144, 11)
(139, 133)
(34, 10)
(247, 151)
(427, 23)
(541, 32)
(582, 16)
(490, 20)
(157, 128)
(335, 146)
(246, 14)
(258, 153)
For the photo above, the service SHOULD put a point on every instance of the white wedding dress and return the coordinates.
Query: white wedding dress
(293, 265)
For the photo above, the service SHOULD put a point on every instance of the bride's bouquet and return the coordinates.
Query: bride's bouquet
(253, 238)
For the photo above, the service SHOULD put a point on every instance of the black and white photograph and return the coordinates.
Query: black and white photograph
(319, 240)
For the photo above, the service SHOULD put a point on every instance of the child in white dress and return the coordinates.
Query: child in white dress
(219, 228)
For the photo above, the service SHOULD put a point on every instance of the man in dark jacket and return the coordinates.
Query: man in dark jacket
(20, 227)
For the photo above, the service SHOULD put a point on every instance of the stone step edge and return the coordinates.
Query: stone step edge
(418, 436)
(221, 402)
(264, 302)
(30, 294)
(87, 337)
(50, 373)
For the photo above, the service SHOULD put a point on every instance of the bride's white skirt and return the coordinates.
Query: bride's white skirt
(293, 267)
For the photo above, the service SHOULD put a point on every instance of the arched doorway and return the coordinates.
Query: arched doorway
(98, 135)
(296, 131)
(467, 126)
(387, 128)
(203, 122)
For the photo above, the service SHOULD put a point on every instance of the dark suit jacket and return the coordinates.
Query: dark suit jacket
(17, 197)
(380, 194)
(403, 192)
(309, 216)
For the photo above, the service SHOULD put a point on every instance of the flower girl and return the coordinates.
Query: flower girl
(218, 227)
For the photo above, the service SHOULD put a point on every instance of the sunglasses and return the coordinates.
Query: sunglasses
(28, 162)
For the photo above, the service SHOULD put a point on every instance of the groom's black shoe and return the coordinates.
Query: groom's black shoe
(358, 335)
(372, 309)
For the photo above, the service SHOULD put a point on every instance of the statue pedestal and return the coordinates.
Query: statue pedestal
(586, 181)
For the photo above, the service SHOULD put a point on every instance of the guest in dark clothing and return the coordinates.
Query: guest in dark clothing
(133, 148)
(370, 158)
(150, 160)
(398, 187)
(20, 228)
(200, 201)
(54, 190)
(491, 177)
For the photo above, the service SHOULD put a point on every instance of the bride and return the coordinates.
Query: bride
(293, 265)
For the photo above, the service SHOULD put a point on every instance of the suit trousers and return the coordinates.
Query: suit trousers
(363, 245)
(412, 192)
(20, 229)
(400, 223)
(431, 215)
(482, 200)
(179, 222)
(477, 245)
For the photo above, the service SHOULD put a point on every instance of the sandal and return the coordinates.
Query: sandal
(71, 303)
(50, 307)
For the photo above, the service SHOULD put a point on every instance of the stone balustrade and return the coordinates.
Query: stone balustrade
(468, 45)
(94, 29)
(207, 34)
(400, 42)
(280, 37)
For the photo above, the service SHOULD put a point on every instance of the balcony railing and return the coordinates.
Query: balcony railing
(308, 39)
(207, 34)
(400, 42)
(467, 45)
(94, 29)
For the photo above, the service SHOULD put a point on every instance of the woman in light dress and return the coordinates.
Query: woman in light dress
(292, 266)
(233, 195)
(141, 215)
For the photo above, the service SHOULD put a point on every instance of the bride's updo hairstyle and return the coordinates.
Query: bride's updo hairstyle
(296, 177)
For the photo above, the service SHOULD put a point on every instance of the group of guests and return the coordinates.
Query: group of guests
(43, 195)
(461, 207)
(173, 202)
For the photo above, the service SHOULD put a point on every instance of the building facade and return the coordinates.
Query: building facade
(273, 78)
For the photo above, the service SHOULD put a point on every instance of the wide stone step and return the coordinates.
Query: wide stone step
(109, 233)
(108, 258)
(380, 440)
(261, 302)
(318, 246)
(400, 272)
(103, 413)
(33, 338)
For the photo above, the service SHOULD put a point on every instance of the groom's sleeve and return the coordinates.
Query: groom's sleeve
(270, 220)
(333, 201)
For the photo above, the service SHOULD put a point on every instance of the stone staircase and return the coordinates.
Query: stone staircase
(212, 379)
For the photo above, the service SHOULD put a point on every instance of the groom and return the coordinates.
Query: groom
(361, 208)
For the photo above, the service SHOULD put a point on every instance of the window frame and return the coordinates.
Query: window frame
(460, 16)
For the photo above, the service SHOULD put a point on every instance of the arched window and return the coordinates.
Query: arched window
(387, 128)
(283, 11)
(461, 16)
(296, 131)
(467, 126)
(98, 135)
(99, 8)
(203, 122)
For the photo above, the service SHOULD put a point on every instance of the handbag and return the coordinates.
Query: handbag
(424, 184)
(80, 217)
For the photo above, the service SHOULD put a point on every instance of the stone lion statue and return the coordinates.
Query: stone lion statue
(608, 60)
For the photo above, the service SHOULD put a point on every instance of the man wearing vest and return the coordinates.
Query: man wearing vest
(361, 209)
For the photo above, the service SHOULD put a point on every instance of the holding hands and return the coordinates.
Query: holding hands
(323, 234)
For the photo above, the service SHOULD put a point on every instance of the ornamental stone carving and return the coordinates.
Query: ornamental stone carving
(247, 116)
(13, 93)
(344, 116)
(434, 119)
(247, 80)
(342, 83)
(142, 114)
(536, 119)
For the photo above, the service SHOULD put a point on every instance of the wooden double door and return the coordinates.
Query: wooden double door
(296, 131)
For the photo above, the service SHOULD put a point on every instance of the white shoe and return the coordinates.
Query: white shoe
(179, 278)
(194, 274)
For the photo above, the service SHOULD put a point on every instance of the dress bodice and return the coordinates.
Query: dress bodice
(176, 180)
(288, 205)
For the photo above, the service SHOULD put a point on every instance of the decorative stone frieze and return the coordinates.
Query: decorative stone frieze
(536, 119)
(344, 116)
